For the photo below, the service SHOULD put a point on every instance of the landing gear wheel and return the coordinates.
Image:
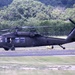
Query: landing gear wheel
(12, 48)
(6, 49)
(63, 47)
(52, 47)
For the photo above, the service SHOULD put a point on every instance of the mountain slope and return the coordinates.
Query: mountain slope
(66, 3)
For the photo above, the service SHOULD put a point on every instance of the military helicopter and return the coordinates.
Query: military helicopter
(12, 40)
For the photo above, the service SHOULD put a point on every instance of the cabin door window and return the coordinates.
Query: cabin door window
(17, 40)
(22, 40)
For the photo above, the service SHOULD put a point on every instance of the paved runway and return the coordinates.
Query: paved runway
(40, 51)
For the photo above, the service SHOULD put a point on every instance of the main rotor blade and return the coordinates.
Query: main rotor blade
(4, 30)
(36, 27)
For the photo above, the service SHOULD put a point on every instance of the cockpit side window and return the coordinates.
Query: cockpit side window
(1, 39)
(7, 40)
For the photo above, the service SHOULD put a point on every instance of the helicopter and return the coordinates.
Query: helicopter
(12, 40)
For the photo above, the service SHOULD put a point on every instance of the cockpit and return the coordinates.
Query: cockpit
(9, 40)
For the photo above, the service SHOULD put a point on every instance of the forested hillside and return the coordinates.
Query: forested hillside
(54, 13)
(62, 3)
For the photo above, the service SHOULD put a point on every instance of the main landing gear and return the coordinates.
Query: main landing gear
(9, 48)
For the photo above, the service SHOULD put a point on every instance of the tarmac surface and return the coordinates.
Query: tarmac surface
(41, 51)
(38, 53)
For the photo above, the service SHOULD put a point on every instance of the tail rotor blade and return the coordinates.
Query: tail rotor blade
(4, 30)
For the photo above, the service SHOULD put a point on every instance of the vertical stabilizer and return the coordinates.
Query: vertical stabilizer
(71, 37)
